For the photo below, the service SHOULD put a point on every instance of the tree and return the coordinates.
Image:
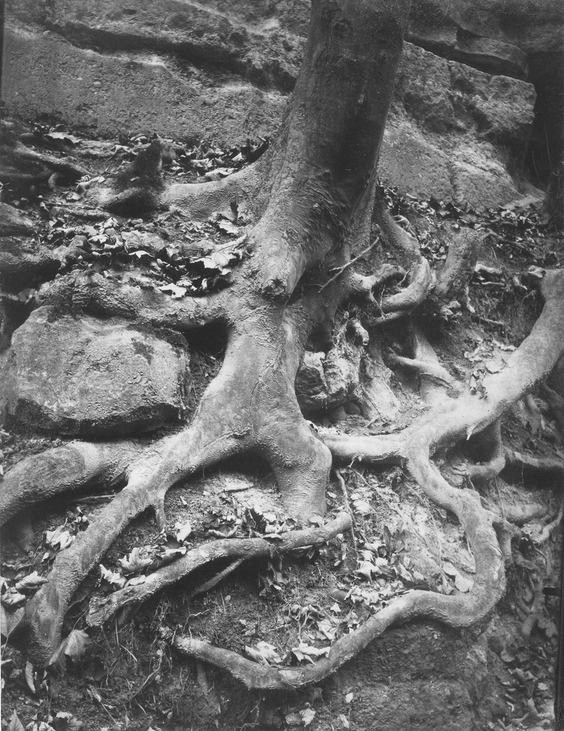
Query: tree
(312, 197)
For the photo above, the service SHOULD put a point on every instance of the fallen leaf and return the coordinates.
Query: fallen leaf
(308, 652)
(137, 560)
(307, 716)
(136, 580)
(13, 598)
(366, 569)
(59, 538)
(264, 653)
(74, 646)
(362, 507)
(462, 583)
(10, 620)
(14, 724)
(31, 582)
(227, 227)
(349, 697)
(112, 577)
(449, 569)
(174, 291)
(182, 531)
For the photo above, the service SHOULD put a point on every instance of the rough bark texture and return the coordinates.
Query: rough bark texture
(314, 214)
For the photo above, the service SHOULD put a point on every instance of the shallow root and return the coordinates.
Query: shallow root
(229, 549)
(444, 424)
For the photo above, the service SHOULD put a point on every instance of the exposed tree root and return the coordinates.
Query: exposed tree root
(37, 167)
(527, 462)
(315, 210)
(453, 278)
(243, 548)
(64, 469)
(95, 295)
(495, 462)
(443, 424)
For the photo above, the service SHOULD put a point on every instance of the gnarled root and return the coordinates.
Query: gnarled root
(229, 549)
(420, 276)
(442, 425)
(64, 469)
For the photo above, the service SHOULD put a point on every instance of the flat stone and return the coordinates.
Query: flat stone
(89, 377)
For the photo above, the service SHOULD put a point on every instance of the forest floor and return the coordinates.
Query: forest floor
(124, 676)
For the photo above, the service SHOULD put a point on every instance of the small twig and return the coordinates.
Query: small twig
(488, 321)
(210, 583)
(340, 270)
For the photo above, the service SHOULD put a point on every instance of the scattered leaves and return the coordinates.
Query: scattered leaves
(74, 646)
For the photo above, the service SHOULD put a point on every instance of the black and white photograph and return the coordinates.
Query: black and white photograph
(282, 365)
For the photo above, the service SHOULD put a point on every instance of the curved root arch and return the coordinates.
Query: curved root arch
(313, 221)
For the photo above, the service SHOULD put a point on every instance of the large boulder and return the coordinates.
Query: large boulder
(88, 377)
(520, 38)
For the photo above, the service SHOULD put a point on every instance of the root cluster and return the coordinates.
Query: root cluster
(313, 221)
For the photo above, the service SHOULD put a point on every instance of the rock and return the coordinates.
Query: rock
(326, 381)
(517, 38)
(423, 90)
(94, 378)
(481, 181)
(140, 92)
(413, 164)
(222, 71)
(14, 222)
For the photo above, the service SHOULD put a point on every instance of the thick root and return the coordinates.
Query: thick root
(62, 469)
(442, 425)
(93, 294)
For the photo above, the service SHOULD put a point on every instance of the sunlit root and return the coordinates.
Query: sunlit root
(257, 676)
(95, 295)
(454, 277)
(528, 462)
(148, 478)
(229, 549)
(443, 424)
(63, 469)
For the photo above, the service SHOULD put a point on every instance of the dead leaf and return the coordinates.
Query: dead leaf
(136, 580)
(462, 583)
(264, 653)
(31, 582)
(309, 652)
(74, 646)
(175, 291)
(182, 531)
(227, 227)
(137, 560)
(10, 620)
(307, 716)
(59, 538)
(13, 598)
(362, 507)
(14, 724)
(112, 577)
